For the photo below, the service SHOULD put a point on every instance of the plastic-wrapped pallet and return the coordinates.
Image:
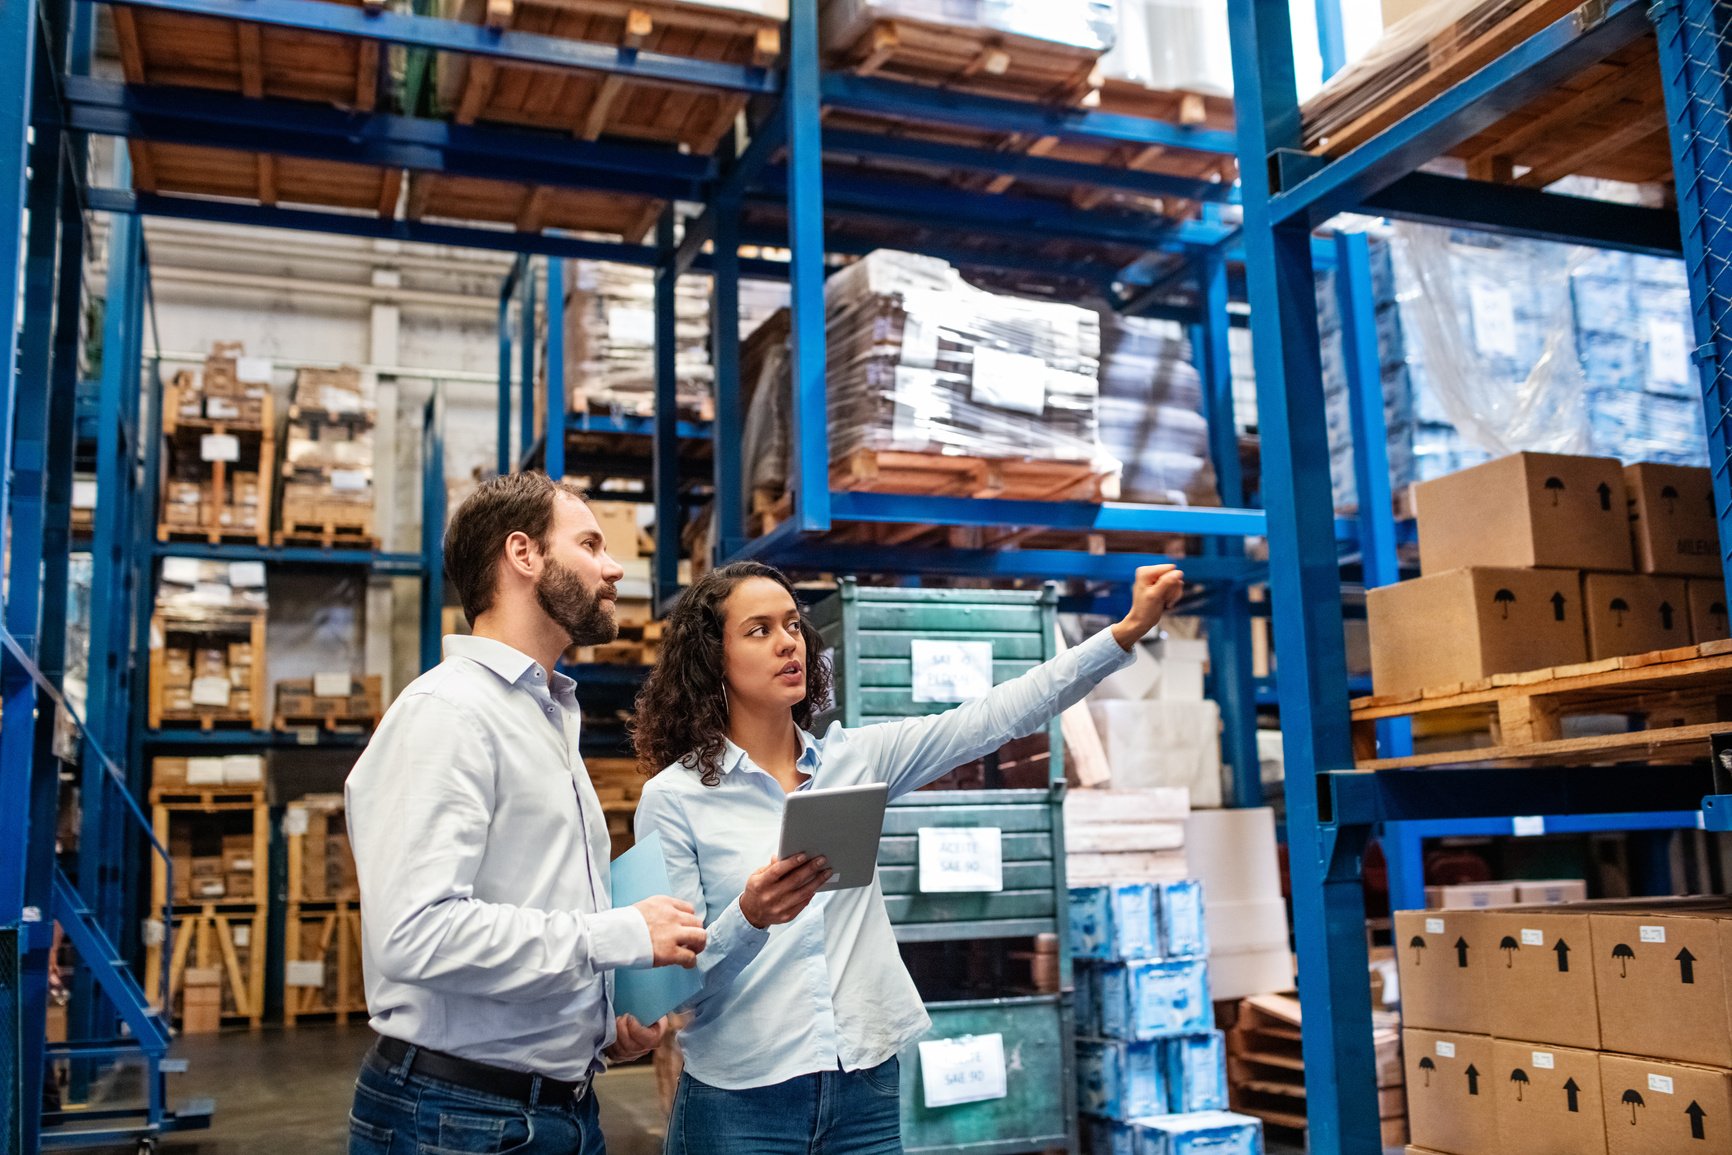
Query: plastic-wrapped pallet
(1151, 413)
(1172, 45)
(610, 340)
(328, 455)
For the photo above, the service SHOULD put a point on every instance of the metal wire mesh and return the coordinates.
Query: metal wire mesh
(11, 1043)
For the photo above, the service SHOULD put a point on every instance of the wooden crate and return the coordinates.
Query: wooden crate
(265, 178)
(1516, 719)
(590, 105)
(251, 628)
(531, 208)
(298, 706)
(327, 935)
(321, 867)
(182, 439)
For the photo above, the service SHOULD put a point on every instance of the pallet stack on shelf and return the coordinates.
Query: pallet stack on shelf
(337, 702)
(207, 646)
(619, 785)
(218, 450)
(212, 816)
(327, 487)
(322, 976)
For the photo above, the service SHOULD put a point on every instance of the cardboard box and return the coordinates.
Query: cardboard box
(238, 886)
(1470, 896)
(1471, 623)
(1451, 1100)
(1708, 621)
(618, 521)
(168, 773)
(1551, 891)
(1443, 959)
(207, 866)
(1528, 510)
(1661, 978)
(1634, 614)
(1673, 525)
(207, 889)
(1548, 1099)
(1539, 987)
(1654, 1108)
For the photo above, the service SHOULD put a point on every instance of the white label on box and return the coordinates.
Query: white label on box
(83, 494)
(1660, 1083)
(1653, 934)
(1533, 937)
(349, 480)
(1013, 381)
(1545, 1060)
(247, 575)
(181, 571)
(304, 974)
(336, 400)
(960, 859)
(965, 1070)
(951, 671)
(1434, 926)
(221, 409)
(153, 933)
(1493, 313)
(243, 934)
(204, 771)
(219, 447)
(1528, 825)
(210, 692)
(254, 369)
(1068, 384)
(1668, 351)
(243, 769)
(919, 343)
(629, 326)
(211, 593)
(1445, 1050)
(332, 685)
(294, 821)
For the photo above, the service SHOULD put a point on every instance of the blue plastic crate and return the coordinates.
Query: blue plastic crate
(1121, 1080)
(1111, 1137)
(1201, 1133)
(1086, 999)
(1154, 999)
(1196, 1072)
(1113, 922)
(1183, 934)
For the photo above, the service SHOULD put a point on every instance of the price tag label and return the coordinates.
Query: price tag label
(304, 974)
(255, 369)
(1445, 1050)
(349, 480)
(247, 575)
(1533, 937)
(83, 494)
(1528, 825)
(965, 1070)
(1668, 352)
(1013, 381)
(1493, 313)
(219, 447)
(958, 859)
(951, 671)
(1660, 1083)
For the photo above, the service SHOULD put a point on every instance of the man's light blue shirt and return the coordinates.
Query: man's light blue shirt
(827, 989)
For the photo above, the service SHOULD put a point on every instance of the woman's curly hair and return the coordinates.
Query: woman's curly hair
(682, 710)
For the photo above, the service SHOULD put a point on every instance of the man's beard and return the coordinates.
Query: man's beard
(579, 612)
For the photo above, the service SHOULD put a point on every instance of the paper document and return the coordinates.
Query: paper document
(647, 994)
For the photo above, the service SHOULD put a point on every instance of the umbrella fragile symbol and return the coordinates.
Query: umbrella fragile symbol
(1417, 942)
(1520, 1078)
(1428, 1067)
(1620, 607)
(1509, 946)
(1670, 497)
(1623, 954)
(1556, 486)
(1632, 1100)
(1504, 599)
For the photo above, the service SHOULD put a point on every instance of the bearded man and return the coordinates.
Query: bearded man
(489, 939)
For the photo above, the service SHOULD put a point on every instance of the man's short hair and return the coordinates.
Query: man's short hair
(499, 507)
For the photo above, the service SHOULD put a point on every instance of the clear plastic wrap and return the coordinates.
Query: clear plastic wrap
(1172, 45)
(197, 591)
(1151, 416)
(1086, 24)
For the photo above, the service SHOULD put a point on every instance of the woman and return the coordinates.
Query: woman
(796, 1030)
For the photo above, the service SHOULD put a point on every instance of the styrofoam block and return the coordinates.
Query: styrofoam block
(1245, 973)
(1232, 852)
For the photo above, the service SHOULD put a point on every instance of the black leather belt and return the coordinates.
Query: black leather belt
(506, 1084)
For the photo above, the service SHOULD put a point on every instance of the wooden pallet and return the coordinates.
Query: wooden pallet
(207, 718)
(637, 645)
(331, 723)
(327, 535)
(882, 471)
(182, 437)
(1682, 697)
(337, 927)
(206, 799)
(263, 178)
(591, 105)
(531, 208)
(205, 936)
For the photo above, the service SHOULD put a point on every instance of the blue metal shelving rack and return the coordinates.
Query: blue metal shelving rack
(1287, 193)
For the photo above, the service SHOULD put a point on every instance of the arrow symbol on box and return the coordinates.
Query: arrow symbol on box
(1605, 496)
(1686, 966)
(1694, 1110)
(1558, 604)
(1472, 1079)
(1572, 1090)
(1563, 949)
(1461, 952)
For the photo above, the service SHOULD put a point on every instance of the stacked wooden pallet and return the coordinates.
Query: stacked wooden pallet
(207, 646)
(217, 448)
(322, 975)
(327, 489)
(619, 786)
(334, 702)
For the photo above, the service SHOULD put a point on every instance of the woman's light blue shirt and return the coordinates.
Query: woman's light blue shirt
(828, 988)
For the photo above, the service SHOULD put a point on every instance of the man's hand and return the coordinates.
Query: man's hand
(676, 933)
(633, 1040)
(1155, 590)
(777, 893)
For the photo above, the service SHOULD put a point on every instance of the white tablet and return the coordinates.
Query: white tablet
(842, 824)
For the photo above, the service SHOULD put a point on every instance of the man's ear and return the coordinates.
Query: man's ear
(522, 554)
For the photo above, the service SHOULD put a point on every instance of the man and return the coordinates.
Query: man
(483, 858)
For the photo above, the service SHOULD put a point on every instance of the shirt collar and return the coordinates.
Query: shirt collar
(733, 755)
(508, 662)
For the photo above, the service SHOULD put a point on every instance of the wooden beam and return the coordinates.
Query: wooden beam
(389, 191)
(143, 167)
(250, 45)
(1625, 83)
(1638, 126)
(638, 26)
(126, 36)
(367, 74)
(534, 212)
(267, 177)
(477, 91)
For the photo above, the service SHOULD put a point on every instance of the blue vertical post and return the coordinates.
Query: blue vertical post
(1326, 864)
(526, 352)
(665, 566)
(553, 397)
(1230, 631)
(732, 492)
(1331, 37)
(432, 527)
(506, 462)
(800, 104)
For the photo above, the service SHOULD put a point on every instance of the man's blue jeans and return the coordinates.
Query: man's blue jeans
(829, 1113)
(396, 1113)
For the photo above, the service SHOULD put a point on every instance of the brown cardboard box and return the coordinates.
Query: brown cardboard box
(1655, 1108)
(1672, 520)
(1443, 959)
(207, 888)
(1451, 1103)
(168, 773)
(1540, 984)
(1548, 1099)
(201, 1000)
(618, 521)
(1551, 891)
(207, 866)
(1661, 978)
(1526, 510)
(238, 886)
(1471, 623)
(1634, 614)
(1708, 621)
(1470, 896)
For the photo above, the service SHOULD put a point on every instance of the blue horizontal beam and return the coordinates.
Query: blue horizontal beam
(1510, 211)
(632, 426)
(1557, 824)
(1537, 65)
(295, 128)
(991, 114)
(1031, 564)
(250, 739)
(396, 563)
(1369, 797)
(916, 509)
(414, 31)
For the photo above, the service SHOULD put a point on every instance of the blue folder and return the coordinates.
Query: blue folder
(647, 994)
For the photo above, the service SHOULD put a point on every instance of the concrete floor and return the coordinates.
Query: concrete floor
(287, 1092)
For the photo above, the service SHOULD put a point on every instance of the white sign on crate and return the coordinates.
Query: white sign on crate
(332, 685)
(1493, 312)
(210, 692)
(304, 974)
(965, 1070)
(257, 370)
(961, 859)
(83, 494)
(247, 575)
(1668, 351)
(951, 671)
(219, 447)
